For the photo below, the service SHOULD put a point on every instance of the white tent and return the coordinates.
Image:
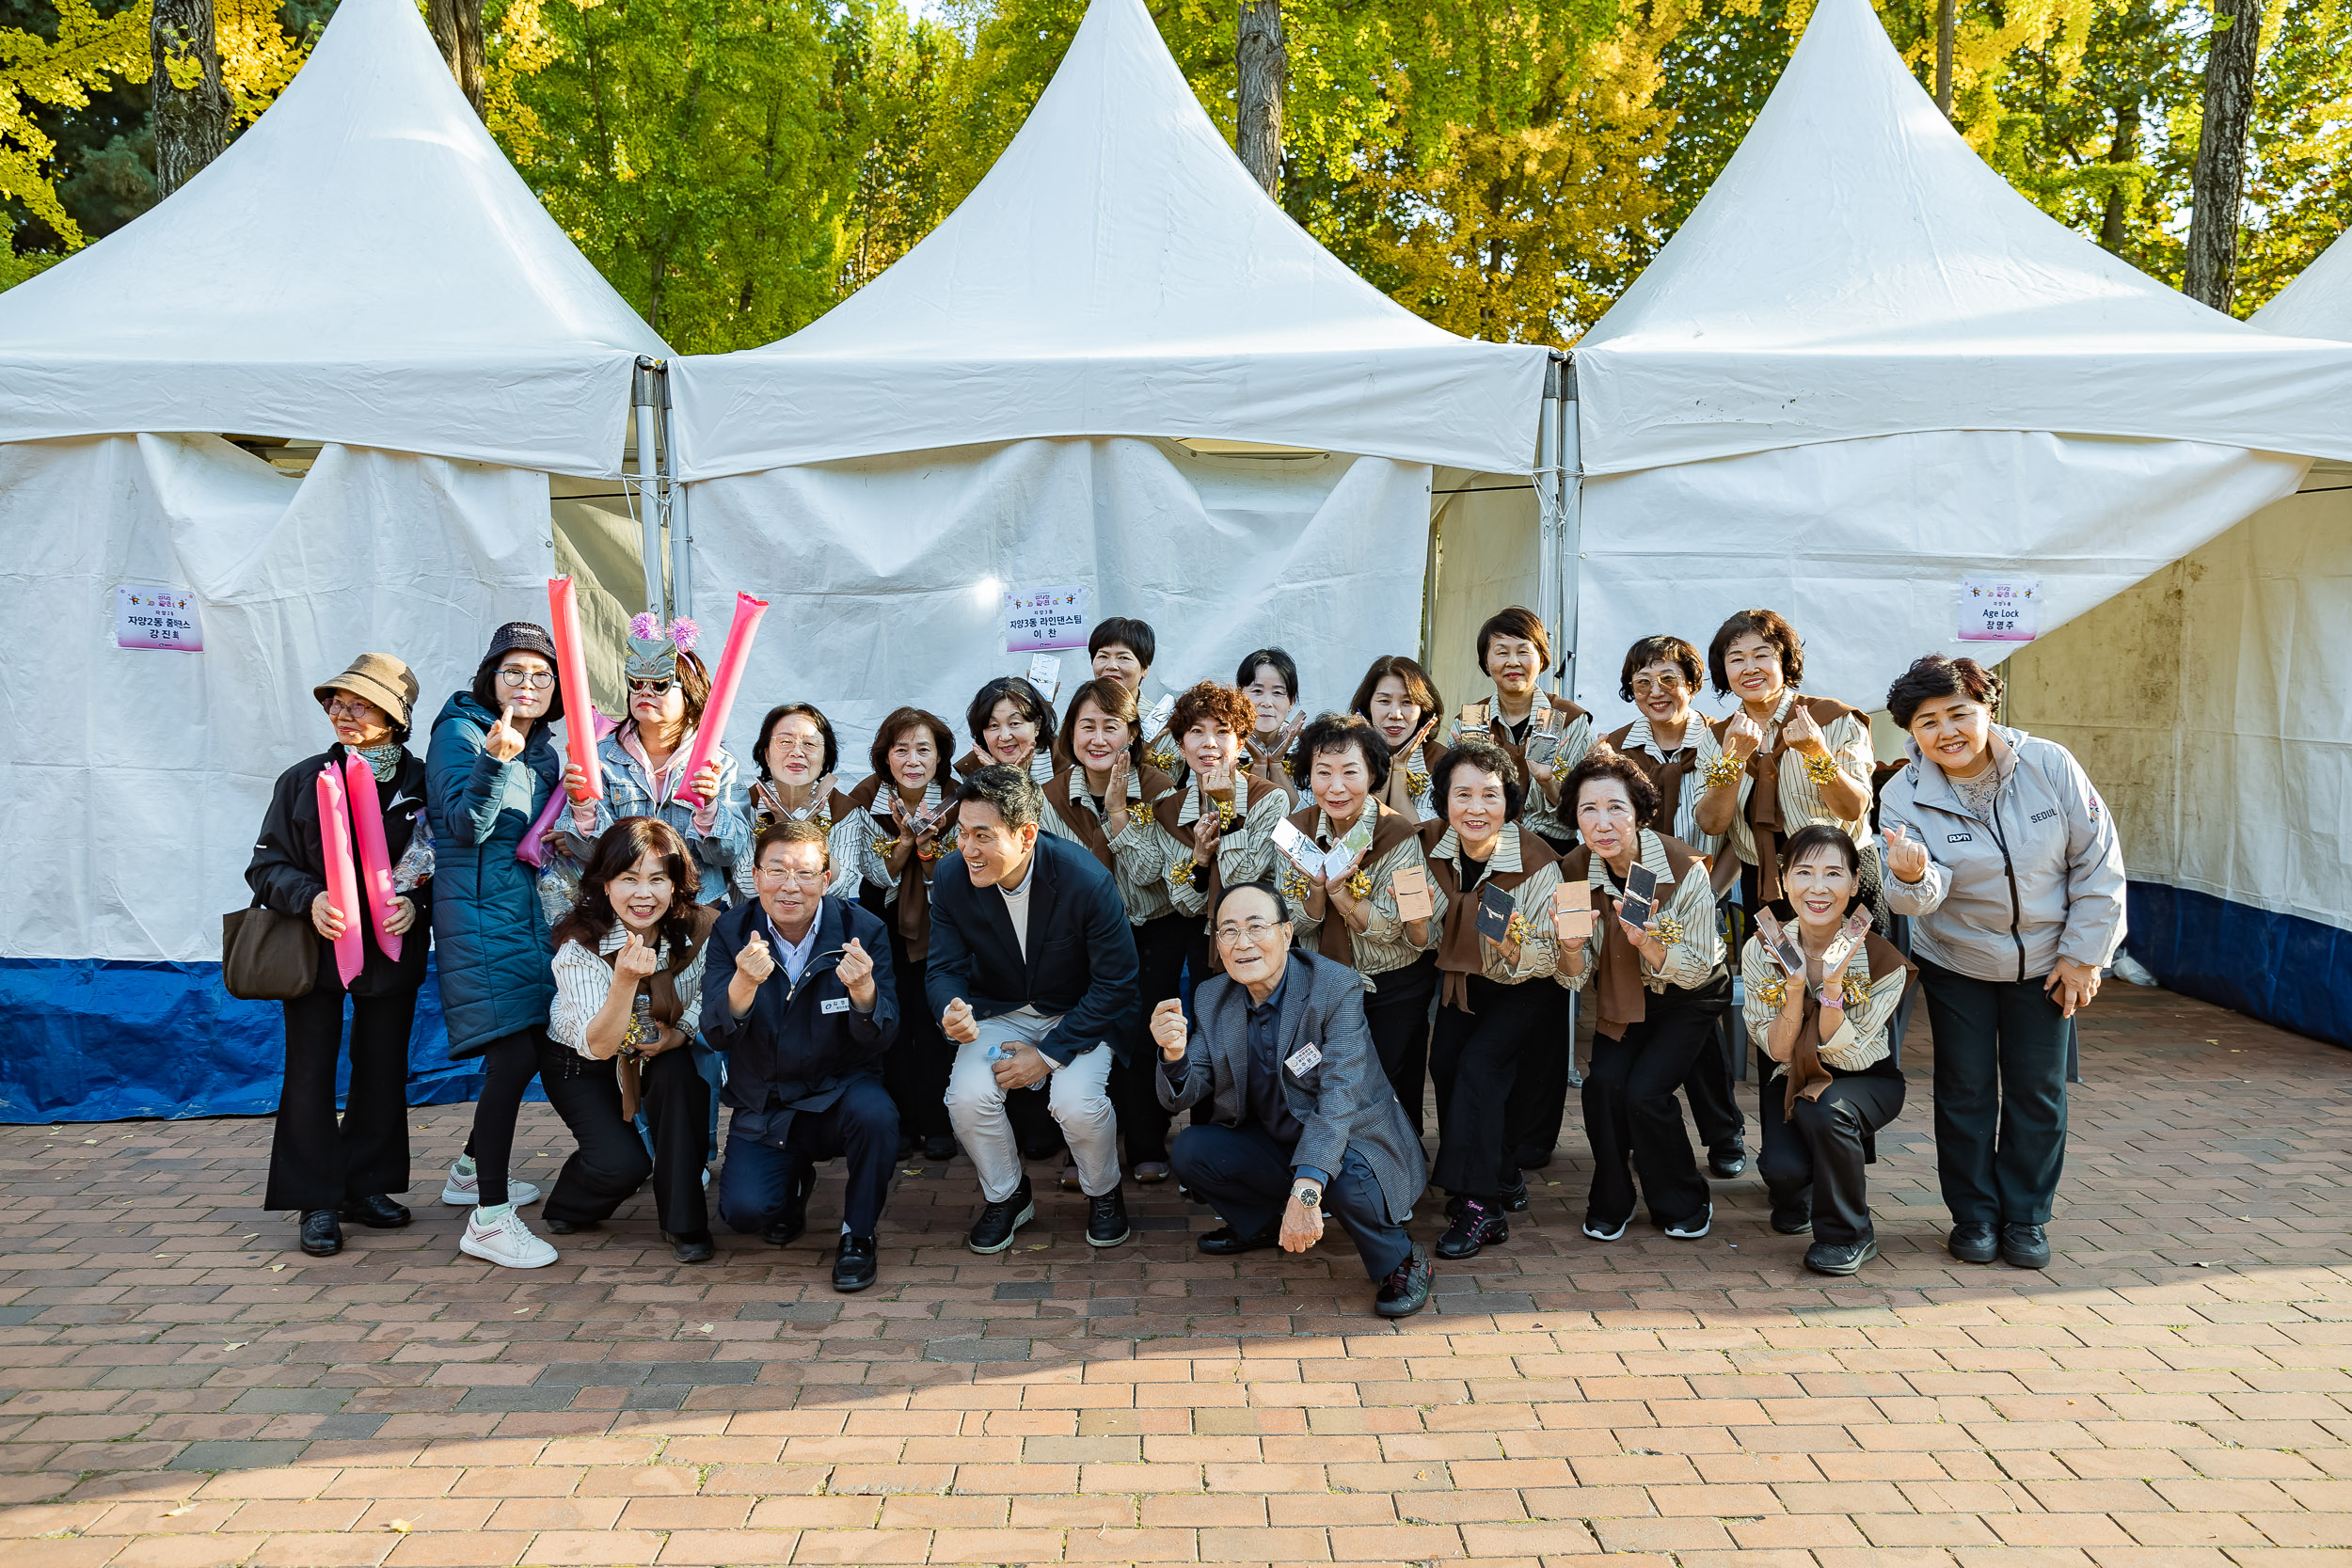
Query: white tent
(360, 269)
(1866, 367)
(1002, 408)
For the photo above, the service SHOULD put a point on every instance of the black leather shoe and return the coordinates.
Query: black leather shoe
(691, 1247)
(1405, 1292)
(939, 1151)
(2024, 1247)
(322, 1237)
(906, 1144)
(375, 1211)
(1792, 1219)
(1042, 1151)
(1726, 1161)
(998, 1222)
(853, 1266)
(789, 1225)
(1821, 1257)
(1972, 1242)
(1479, 1225)
(567, 1228)
(1106, 1219)
(1222, 1242)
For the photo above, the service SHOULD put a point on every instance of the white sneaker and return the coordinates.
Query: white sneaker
(506, 1241)
(464, 1192)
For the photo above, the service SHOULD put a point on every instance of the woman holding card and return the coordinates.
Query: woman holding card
(1398, 698)
(326, 1171)
(1820, 992)
(1498, 948)
(894, 828)
(1353, 867)
(1784, 761)
(1220, 823)
(1011, 724)
(1655, 964)
(1101, 799)
(1544, 735)
(1269, 678)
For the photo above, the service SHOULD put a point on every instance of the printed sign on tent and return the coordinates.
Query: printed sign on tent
(1044, 618)
(2000, 610)
(146, 617)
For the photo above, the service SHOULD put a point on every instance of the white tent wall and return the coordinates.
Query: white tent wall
(132, 781)
(1862, 544)
(2211, 704)
(1485, 553)
(883, 573)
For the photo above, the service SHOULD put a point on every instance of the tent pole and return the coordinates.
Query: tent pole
(1569, 509)
(645, 394)
(673, 511)
(1546, 506)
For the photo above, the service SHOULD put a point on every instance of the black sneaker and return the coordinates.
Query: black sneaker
(2024, 1247)
(1479, 1225)
(1822, 1258)
(939, 1149)
(1106, 1219)
(1974, 1242)
(376, 1212)
(322, 1235)
(1512, 1202)
(853, 1266)
(1222, 1242)
(566, 1227)
(1726, 1161)
(1406, 1290)
(792, 1220)
(1691, 1229)
(690, 1246)
(1792, 1219)
(993, 1230)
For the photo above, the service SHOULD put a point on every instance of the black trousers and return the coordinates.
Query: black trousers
(314, 1162)
(1160, 951)
(762, 1179)
(1632, 1120)
(1813, 1162)
(509, 1063)
(1244, 1174)
(914, 1070)
(1714, 1107)
(2000, 1096)
(1398, 1015)
(1476, 1058)
(611, 1162)
(1539, 1101)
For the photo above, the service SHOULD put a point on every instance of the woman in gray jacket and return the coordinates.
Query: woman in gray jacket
(2007, 859)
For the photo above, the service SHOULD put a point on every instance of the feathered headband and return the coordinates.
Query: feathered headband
(653, 648)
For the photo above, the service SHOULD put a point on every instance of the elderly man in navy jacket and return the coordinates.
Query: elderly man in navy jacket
(1032, 972)
(797, 991)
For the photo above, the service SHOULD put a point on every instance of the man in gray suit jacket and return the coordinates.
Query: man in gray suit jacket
(1298, 1101)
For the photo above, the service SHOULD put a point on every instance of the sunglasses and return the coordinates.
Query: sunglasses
(650, 688)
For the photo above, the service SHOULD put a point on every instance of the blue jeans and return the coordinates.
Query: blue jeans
(761, 1177)
(1244, 1175)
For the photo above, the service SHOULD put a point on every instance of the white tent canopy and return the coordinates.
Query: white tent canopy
(1856, 270)
(362, 266)
(2318, 303)
(1117, 273)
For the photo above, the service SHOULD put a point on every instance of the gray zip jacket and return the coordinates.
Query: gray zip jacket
(2006, 900)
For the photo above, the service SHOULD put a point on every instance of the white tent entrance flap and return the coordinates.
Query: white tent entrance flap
(132, 781)
(886, 573)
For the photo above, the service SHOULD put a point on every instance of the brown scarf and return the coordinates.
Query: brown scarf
(1667, 775)
(1569, 713)
(1086, 824)
(1764, 821)
(1460, 955)
(913, 916)
(1624, 1001)
(1807, 1074)
(1171, 807)
(663, 1000)
(1336, 940)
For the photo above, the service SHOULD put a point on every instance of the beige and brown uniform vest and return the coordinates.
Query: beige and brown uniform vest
(1623, 1001)
(663, 1000)
(1460, 955)
(1763, 803)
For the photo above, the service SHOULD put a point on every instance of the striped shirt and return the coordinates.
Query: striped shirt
(1860, 1040)
(583, 981)
(1139, 856)
(1244, 851)
(1686, 923)
(1848, 737)
(1383, 944)
(1685, 825)
(1531, 901)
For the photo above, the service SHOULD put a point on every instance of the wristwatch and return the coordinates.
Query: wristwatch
(1306, 1196)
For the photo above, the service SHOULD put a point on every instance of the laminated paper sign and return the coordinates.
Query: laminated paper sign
(2000, 610)
(156, 618)
(1044, 618)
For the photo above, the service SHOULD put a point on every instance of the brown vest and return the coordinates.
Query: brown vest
(1763, 808)
(1460, 955)
(1808, 1075)
(1083, 824)
(1500, 734)
(1336, 940)
(1622, 999)
(1667, 775)
(912, 915)
(663, 1000)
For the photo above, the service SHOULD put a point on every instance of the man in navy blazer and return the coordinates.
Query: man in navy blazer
(1033, 975)
(798, 992)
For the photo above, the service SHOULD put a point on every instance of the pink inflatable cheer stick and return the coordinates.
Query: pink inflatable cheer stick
(724, 682)
(342, 881)
(571, 673)
(376, 863)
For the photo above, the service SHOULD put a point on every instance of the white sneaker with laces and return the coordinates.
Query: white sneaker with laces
(505, 1240)
(464, 1190)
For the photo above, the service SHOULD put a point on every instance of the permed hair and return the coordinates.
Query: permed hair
(777, 715)
(1338, 732)
(1605, 761)
(1484, 755)
(1208, 700)
(1773, 627)
(1659, 650)
(1934, 676)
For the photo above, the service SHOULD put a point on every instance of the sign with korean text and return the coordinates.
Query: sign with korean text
(2000, 610)
(148, 617)
(1044, 618)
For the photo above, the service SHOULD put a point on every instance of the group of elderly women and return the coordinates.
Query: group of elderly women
(1473, 869)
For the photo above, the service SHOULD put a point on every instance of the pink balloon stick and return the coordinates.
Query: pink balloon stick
(724, 682)
(375, 862)
(342, 880)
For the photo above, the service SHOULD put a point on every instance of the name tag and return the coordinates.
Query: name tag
(834, 1005)
(1302, 1059)
(1960, 838)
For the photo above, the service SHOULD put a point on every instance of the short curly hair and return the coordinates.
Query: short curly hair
(1210, 700)
(1484, 754)
(1659, 650)
(1605, 761)
(905, 719)
(1933, 676)
(1337, 732)
(1773, 627)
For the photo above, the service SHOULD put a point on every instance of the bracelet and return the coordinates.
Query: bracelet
(1725, 769)
(1822, 770)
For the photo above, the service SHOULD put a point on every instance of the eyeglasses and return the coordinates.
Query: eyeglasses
(650, 688)
(1254, 932)
(351, 708)
(538, 680)
(790, 874)
(1660, 682)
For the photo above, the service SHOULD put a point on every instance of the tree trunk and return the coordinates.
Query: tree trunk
(1263, 60)
(2123, 150)
(456, 26)
(1947, 38)
(2217, 183)
(191, 120)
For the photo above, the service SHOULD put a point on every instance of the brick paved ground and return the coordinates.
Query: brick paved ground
(182, 1390)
